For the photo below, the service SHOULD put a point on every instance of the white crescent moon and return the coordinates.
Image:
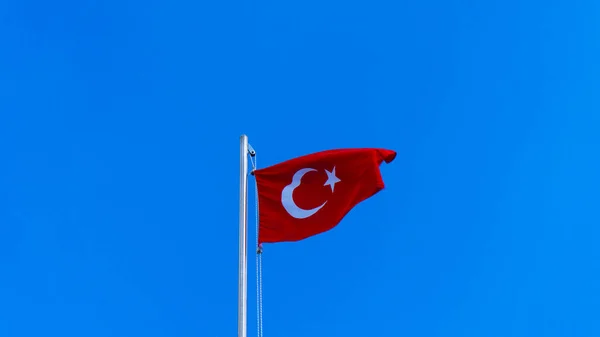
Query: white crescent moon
(288, 201)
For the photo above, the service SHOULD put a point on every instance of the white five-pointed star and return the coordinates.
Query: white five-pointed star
(331, 179)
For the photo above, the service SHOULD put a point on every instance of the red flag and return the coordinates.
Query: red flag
(311, 194)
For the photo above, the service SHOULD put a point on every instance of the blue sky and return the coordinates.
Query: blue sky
(119, 135)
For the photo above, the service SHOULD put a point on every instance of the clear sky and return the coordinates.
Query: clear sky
(119, 139)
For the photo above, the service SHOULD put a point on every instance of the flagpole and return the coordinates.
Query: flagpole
(243, 239)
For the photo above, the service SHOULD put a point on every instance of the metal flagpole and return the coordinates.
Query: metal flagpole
(243, 239)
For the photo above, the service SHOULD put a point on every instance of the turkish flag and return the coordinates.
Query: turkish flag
(311, 194)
